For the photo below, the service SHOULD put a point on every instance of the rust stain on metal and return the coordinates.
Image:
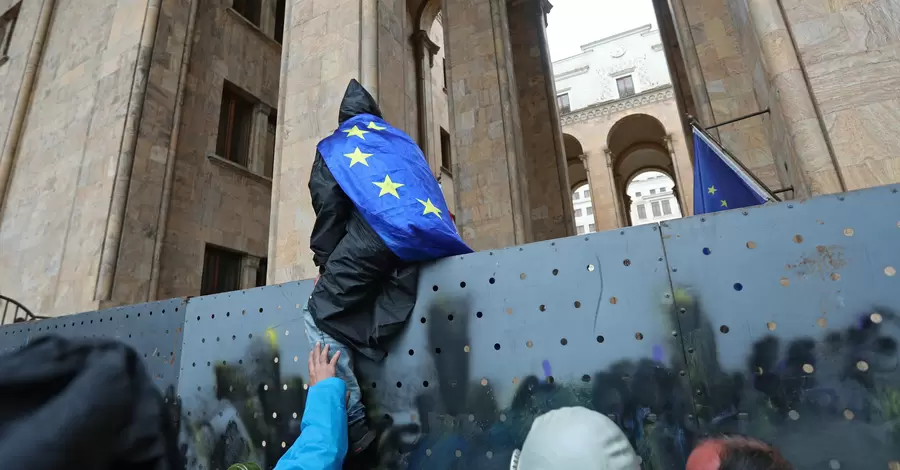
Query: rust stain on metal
(825, 261)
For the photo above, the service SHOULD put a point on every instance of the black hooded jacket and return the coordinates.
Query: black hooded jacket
(85, 404)
(365, 292)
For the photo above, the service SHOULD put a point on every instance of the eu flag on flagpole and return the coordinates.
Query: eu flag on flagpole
(719, 182)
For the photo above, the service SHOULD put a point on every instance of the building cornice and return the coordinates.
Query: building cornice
(572, 73)
(643, 29)
(610, 107)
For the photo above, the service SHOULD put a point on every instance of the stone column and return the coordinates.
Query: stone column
(626, 210)
(425, 49)
(617, 203)
(692, 65)
(249, 269)
(256, 161)
(490, 188)
(676, 168)
(322, 50)
(544, 163)
(816, 170)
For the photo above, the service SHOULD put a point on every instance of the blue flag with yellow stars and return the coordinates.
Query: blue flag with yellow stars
(720, 183)
(383, 172)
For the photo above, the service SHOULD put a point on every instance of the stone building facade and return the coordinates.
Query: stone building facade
(138, 135)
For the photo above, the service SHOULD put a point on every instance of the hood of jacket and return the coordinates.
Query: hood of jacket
(357, 101)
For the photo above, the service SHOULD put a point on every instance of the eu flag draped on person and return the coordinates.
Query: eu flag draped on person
(720, 183)
(383, 172)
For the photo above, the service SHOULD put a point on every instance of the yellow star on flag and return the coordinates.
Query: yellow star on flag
(724, 203)
(388, 187)
(376, 127)
(711, 190)
(356, 131)
(358, 157)
(430, 208)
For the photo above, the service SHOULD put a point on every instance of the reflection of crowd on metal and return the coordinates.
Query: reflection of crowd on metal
(563, 439)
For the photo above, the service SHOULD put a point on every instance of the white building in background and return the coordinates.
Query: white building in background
(652, 199)
(611, 68)
(611, 80)
(584, 212)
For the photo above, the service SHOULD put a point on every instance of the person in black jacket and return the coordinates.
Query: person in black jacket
(366, 287)
(85, 404)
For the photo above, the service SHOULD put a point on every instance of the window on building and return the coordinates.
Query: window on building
(654, 206)
(249, 9)
(271, 127)
(592, 228)
(279, 21)
(444, 66)
(637, 194)
(221, 271)
(261, 272)
(662, 190)
(445, 150)
(7, 28)
(587, 193)
(578, 213)
(590, 211)
(235, 122)
(652, 191)
(642, 211)
(626, 86)
(576, 196)
(580, 229)
(667, 207)
(562, 101)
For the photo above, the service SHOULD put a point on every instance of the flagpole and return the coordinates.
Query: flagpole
(771, 195)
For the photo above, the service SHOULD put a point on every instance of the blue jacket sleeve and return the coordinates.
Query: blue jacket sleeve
(322, 444)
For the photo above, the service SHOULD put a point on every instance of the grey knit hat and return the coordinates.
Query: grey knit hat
(575, 438)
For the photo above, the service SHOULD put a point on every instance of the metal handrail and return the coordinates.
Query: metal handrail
(19, 314)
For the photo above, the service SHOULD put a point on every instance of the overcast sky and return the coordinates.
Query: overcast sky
(576, 22)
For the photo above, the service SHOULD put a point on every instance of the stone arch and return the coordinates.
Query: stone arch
(637, 143)
(425, 12)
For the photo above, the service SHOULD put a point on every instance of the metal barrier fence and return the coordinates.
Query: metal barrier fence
(779, 322)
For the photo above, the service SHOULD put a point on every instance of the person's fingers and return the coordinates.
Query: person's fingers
(323, 359)
(309, 361)
(334, 360)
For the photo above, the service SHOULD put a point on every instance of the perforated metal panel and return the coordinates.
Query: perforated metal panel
(779, 322)
(243, 375)
(791, 326)
(496, 339)
(152, 329)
